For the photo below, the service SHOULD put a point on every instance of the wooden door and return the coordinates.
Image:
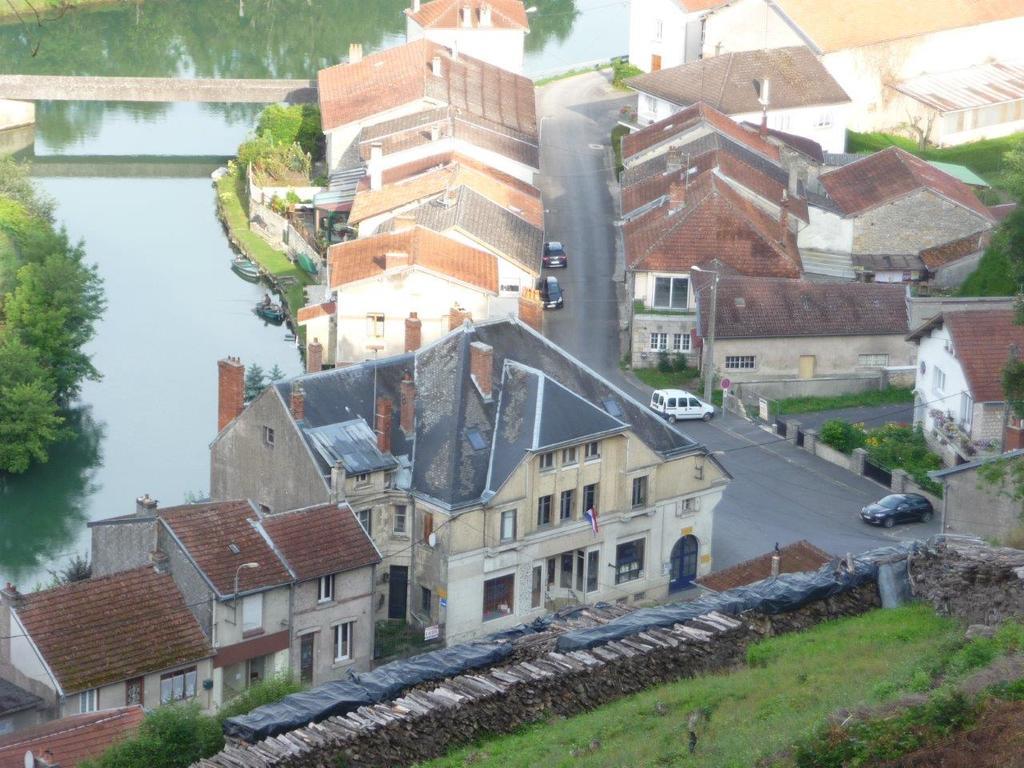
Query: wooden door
(398, 591)
(306, 656)
(807, 366)
(134, 690)
(655, 62)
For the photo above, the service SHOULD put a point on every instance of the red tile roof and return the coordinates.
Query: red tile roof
(890, 174)
(71, 740)
(313, 311)
(112, 628)
(982, 342)
(940, 255)
(1001, 211)
(208, 531)
(321, 540)
(699, 5)
(794, 558)
(367, 257)
(446, 14)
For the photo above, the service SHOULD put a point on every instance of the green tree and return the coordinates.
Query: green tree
(276, 374)
(255, 382)
(30, 420)
(172, 736)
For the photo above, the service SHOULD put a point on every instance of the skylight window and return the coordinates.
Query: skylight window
(476, 439)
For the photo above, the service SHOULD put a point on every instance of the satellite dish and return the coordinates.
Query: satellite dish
(432, 539)
(30, 760)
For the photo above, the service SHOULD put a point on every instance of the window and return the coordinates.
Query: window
(966, 411)
(566, 505)
(680, 342)
(589, 496)
(565, 580)
(593, 564)
(824, 120)
(401, 520)
(873, 361)
(363, 478)
(88, 701)
(671, 292)
(629, 561)
(428, 525)
(178, 686)
(547, 460)
(425, 601)
(938, 379)
(658, 29)
(650, 103)
(268, 437)
(659, 342)
(508, 525)
(366, 520)
(343, 634)
(499, 597)
(568, 456)
(593, 451)
(375, 325)
(580, 555)
(691, 505)
(739, 362)
(536, 588)
(133, 691)
(544, 511)
(639, 491)
(325, 589)
(252, 613)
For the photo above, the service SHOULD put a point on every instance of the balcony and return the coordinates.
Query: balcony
(947, 431)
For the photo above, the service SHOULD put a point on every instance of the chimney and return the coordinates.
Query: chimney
(355, 53)
(413, 332)
(457, 316)
(161, 562)
(415, 6)
(763, 129)
(435, 65)
(338, 482)
(764, 95)
(455, 49)
(467, 15)
(230, 390)
(145, 506)
(776, 560)
(674, 159)
(530, 311)
(298, 406)
(407, 408)
(376, 166)
(676, 196)
(435, 132)
(481, 365)
(383, 425)
(396, 259)
(12, 596)
(485, 15)
(314, 356)
(403, 222)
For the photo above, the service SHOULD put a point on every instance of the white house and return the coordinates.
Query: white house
(666, 33)
(490, 30)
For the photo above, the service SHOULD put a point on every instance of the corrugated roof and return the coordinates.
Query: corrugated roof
(981, 86)
(352, 443)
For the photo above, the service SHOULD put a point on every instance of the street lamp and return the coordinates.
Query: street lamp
(234, 597)
(709, 346)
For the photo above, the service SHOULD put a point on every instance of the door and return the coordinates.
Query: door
(655, 62)
(134, 691)
(807, 366)
(306, 658)
(398, 591)
(684, 563)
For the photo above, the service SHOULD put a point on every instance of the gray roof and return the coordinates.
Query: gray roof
(888, 261)
(449, 465)
(938, 474)
(15, 699)
(352, 443)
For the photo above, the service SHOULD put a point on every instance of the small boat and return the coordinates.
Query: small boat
(245, 269)
(269, 311)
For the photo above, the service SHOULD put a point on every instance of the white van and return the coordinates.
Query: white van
(678, 404)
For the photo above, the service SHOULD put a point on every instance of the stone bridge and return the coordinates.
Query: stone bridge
(163, 89)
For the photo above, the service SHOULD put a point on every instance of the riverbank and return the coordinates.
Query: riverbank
(28, 10)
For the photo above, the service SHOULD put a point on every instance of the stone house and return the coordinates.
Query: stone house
(917, 66)
(109, 641)
(974, 507)
(666, 33)
(72, 740)
(958, 394)
(498, 476)
(490, 30)
(786, 87)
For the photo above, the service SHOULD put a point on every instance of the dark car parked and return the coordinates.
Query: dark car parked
(898, 508)
(555, 255)
(550, 293)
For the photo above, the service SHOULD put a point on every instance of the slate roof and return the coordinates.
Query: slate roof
(793, 558)
(397, 76)
(889, 175)
(759, 308)
(982, 343)
(728, 82)
(446, 14)
(112, 628)
(71, 740)
(446, 467)
(15, 699)
(320, 540)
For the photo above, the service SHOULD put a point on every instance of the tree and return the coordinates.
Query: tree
(173, 736)
(255, 382)
(30, 420)
(276, 374)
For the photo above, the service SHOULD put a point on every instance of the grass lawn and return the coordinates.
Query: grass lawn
(890, 396)
(790, 686)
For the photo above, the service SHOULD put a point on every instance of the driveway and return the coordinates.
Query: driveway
(780, 492)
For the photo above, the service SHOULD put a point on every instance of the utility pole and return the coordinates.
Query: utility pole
(709, 344)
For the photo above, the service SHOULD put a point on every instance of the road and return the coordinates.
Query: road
(780, 493)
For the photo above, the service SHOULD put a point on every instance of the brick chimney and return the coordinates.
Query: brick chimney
(145, 506)
(457, 316)
(298, 403)
(481, 367)
(314, 356)
(676, 196)
(485, 15)
(467, 15)
(355, 53)
(396, 259)
(383, 425)
(435, 132)
(407, 408)
(376, 168)
(413, 332)
(530, 310)
(230, 390)
(674, 159)
(11, 596)
(161, 562)
(435, 65)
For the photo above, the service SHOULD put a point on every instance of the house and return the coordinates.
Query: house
(666, 33)
(109, 641)
(490, 30)
(788, 88)
(979, 507)
(798, 557)
(19, 708)
(958, 394)
(498, 476)
(274, 593)
(770, 329)
(931, 68)
(72, 740)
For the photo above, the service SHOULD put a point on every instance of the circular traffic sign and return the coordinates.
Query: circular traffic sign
(726, 383)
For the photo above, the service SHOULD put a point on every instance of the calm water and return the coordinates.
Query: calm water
(174, 306)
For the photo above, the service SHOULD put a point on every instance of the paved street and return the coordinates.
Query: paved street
(780, 492)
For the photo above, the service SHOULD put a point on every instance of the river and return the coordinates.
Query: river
(175, 308)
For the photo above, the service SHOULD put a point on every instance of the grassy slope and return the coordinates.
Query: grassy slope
(891, 396)
(756, 711)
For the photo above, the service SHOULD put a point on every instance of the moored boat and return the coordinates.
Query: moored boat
(269, 311)
(245, 269)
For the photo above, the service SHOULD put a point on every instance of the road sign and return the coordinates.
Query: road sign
(726, 383)
(432, 633)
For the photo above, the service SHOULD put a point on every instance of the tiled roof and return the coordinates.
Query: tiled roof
(366, 257)
(890, 174)
(15, 699)
(833, 25)
(400, 75)
(947, 253)
(321, 540)
(982, 343)
(694, 116)
(313, 311)
(71, 740)
(446, 14)
(699, 5)
(793, 558)
(759, 308)
(112, 628)
(801, 144)
(210, 533)
(729, 82)
(1001, 211)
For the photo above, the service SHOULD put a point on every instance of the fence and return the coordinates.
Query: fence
(878, 473)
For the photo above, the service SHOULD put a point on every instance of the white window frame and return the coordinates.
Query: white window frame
(325, 589)
(189, 679)
(344, 632)
(507, 525)
(650, 103)
(680, 342)
(659, 29)
(252, 613)
(740, 362)
(375, 325)
(592, 451)
(402, 515)
(89, 701)
(671, 293)
(659, 342)
(268, 436)
(569, 456)
(938, 379)
(365, 518)
(546, 460)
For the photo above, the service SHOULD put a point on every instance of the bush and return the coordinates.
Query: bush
(898, 446)
(623, 70)
(663, 363)
(842, 435)
(173, 736)
(264, 692)
(295, 124)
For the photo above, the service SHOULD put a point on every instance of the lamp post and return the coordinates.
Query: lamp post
(234, 597)
(709, 346)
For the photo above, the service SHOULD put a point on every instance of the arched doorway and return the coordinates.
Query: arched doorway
(685, 556)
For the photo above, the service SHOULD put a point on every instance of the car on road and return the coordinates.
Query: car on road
(898, 508)
(676, 404)
(555, 255)
(551, 293)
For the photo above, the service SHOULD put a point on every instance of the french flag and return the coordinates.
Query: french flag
(592, 517)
